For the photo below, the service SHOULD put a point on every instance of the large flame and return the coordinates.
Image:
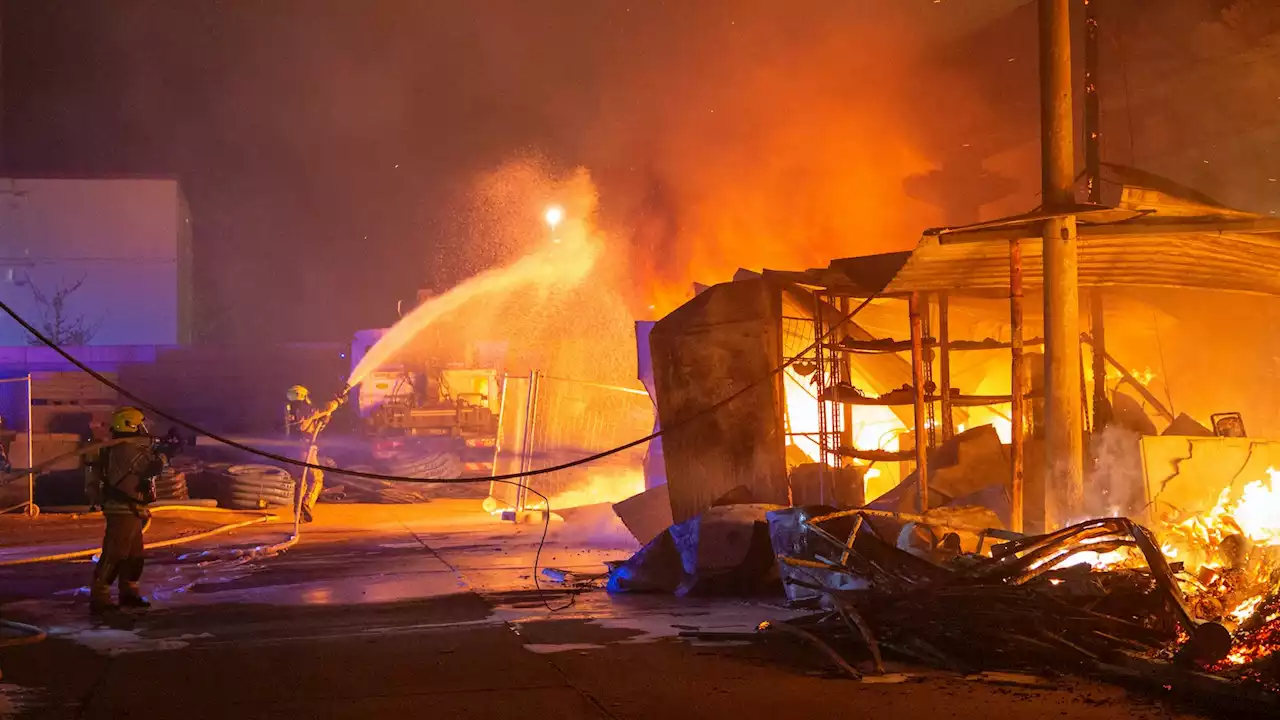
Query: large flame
(1257, 513)
(1233, 553)
(873, 428)
(608, 485)
(1253, 515)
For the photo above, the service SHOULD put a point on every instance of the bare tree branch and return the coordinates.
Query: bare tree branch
(56, 320)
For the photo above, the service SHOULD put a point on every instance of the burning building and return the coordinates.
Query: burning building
(886, 368)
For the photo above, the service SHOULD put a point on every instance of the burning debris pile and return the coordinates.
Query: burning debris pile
(1099, 597)
(1230, 557)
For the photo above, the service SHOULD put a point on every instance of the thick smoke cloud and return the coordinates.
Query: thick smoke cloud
(327, 146)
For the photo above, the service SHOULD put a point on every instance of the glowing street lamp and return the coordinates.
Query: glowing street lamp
(553, 216)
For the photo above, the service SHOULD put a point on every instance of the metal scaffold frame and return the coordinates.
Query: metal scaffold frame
(30, 504)
(832, 425)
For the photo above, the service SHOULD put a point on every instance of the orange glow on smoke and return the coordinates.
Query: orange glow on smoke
(604, 486)
(785, 160)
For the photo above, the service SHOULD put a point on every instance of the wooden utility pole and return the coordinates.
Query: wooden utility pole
(1064, 435)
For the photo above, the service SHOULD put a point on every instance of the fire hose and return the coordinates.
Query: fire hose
(30, 634)
(310, 463)
(90, 552)
(221, 529)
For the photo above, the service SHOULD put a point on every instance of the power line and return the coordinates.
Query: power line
(507, 478)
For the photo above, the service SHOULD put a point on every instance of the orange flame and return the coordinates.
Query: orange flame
(1228, 549)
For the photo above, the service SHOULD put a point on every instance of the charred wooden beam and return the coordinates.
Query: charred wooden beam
(917, 384)
(944, 342)
(878, 455)
(1129, 378)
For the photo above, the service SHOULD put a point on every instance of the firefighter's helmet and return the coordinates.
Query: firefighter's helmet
(298, 393)
(127, 420)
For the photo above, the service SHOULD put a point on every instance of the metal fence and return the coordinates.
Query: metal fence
(15, 395)
(548, 421)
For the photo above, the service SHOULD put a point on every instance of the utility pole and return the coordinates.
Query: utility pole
(1092, 109)
(1064, 472)
(1093, 171)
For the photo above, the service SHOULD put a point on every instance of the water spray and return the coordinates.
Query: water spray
(561, 265)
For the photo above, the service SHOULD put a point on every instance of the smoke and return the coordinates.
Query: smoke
(768, 137)
(1114, 484)
(594, 527)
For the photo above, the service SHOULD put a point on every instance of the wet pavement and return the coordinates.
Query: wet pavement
(429, 610)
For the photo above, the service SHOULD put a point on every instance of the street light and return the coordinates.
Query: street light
(554, 215)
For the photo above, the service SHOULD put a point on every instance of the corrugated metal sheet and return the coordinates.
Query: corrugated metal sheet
(864, 275)
(1133, 254)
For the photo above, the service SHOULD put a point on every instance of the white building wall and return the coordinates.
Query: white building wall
(127, 239)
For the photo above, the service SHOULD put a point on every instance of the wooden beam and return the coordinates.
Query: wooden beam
(1101, 404)
(1017, 389)
(917, 382)
(1138, 227)
(1129, 378)
(944, 387)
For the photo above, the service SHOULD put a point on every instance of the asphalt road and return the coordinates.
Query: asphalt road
(428, 611)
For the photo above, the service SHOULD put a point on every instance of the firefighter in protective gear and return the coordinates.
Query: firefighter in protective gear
(125, 474)
(305, 422)
(296, 409)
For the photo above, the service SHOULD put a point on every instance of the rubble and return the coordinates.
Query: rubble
(954, 590)
(1036, 605)
(725, 550)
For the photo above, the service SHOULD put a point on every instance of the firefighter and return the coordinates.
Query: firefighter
(304, 421)
(125, 474)
(296, 409)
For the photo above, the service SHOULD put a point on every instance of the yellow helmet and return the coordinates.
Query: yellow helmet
(127, 420)
(298, 393)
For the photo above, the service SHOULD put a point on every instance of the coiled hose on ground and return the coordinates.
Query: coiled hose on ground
(257, 487)
(30, 634)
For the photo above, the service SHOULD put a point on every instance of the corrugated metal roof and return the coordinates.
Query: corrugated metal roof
(1163, 235)
(1231, 255)
(863, 275)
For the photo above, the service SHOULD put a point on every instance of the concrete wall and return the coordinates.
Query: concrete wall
(128, 239)
(227, 389)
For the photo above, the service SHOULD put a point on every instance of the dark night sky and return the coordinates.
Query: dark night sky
(285, 121)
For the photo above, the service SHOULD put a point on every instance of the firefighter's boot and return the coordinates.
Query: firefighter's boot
(130, 595)
(104, 574)
(311, 495)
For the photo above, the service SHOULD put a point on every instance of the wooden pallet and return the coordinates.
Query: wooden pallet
(71, 387)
